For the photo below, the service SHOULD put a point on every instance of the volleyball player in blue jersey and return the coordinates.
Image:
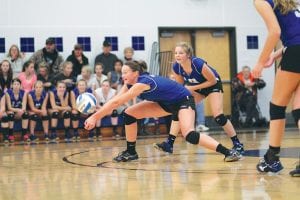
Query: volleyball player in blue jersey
(59, 108)
(161, 97)
(3, 116)
(282, 19)
(37, 102)
(16, 101)
(203, 82)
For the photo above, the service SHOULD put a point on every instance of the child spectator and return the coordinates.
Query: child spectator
(65, 76)
(99, 76)
(28, 76)
(6, 75)
(115, 77)
(86, 74)
(44, 76)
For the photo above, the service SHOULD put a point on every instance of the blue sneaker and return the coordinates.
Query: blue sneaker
(233, 156)
(239, 147)
(264, 166)
(164, 146)
(125, 156)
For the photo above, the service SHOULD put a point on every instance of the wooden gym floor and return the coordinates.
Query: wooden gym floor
(70, 171)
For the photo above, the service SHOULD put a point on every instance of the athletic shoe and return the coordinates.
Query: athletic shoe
(296, 172)
(33, 138)
(77, 138)
(164, 146)
(239, 147)
(202, 127)
(46, 137)
(54, 138)
(264, 166)
(125, 156)
(233, 156)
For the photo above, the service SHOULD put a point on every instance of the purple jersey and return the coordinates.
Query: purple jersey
(38, 102)
(16, 102)
(195, 77)
(57, 100)
(162, 90)
(289, 24)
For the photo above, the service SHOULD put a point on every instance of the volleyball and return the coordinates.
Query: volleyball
(86, 103)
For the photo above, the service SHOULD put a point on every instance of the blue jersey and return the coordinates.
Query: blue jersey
(162, 90)
(289, 24)
(76, 91)
(38, 102)
(16, 102)
(57, 100)
(195, 77)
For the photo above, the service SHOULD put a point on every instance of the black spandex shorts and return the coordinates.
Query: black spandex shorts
(291, 59)
(183, 104)
(215, 88)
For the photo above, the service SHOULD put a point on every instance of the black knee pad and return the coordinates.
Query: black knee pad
(25, 115)
(75, 117)
(67, 115)
(11, 116)
(45, 118)
(128, 119)
(55, 115)
(34, 117)
(5, 119)
(277, 112)
(221, 119)
(296, 115)
(193, 137)
(114, 113)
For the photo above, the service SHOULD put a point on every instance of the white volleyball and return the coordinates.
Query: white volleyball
(86, 103)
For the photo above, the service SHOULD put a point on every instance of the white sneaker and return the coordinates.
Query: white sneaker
(202, 128)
